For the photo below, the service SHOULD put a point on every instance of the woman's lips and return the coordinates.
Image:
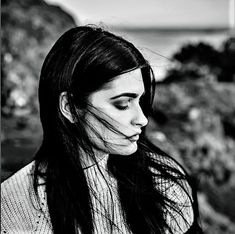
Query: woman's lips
(134, 137)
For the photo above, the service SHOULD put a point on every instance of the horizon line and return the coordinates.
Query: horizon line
(170, 28)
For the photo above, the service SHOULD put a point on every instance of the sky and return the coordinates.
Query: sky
(149, 13)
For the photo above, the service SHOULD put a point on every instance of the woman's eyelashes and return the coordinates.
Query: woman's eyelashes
(125, 104)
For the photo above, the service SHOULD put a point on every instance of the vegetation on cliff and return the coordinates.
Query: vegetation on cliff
(203, 61)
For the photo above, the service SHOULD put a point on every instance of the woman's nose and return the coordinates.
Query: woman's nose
(139, 118)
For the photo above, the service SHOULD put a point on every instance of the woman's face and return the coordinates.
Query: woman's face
(118, 104)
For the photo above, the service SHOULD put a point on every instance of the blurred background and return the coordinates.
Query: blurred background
(191, 47)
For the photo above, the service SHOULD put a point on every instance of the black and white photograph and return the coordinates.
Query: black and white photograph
(118, 117)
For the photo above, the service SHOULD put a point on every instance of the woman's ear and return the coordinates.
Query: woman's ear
(64, 107)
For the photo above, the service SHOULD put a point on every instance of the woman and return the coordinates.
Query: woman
(95, 172)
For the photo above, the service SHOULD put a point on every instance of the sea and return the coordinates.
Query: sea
(159, 45)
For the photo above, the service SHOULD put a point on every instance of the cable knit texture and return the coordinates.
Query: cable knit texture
(22, 212)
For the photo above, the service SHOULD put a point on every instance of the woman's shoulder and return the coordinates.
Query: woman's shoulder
(20, 209)
(20, 175)
(171, 176)
(175, 186)
(18, 185)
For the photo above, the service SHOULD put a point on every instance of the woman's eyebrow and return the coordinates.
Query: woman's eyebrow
(132, 95)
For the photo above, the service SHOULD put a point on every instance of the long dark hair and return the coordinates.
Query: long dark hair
(82, 61)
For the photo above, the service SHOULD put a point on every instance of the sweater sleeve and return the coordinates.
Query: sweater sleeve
(20, 209)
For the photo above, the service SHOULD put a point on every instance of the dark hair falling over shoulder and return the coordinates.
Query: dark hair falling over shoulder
(135, 175)
(82, 61)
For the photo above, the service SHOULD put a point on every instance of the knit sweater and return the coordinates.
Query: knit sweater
(22, 212)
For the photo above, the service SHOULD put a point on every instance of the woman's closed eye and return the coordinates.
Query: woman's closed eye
(123, 104)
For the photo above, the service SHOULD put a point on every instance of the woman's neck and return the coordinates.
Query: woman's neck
(100, 158)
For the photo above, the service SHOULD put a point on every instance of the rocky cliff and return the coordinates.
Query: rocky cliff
(29, 29)
(194, 122)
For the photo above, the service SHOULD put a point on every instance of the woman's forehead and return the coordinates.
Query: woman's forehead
(128, 82)
(131, 83)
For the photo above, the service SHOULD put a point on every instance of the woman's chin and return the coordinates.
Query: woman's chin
(126, 150)
(119, 149)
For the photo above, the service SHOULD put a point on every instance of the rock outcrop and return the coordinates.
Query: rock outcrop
(194, 122)
(29, 29)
